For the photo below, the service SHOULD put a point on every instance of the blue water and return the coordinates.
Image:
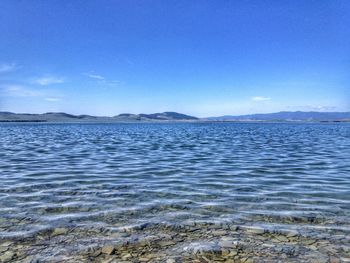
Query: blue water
(120, 176)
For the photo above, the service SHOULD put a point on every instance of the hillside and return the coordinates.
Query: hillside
(288, 116)
(65, 117)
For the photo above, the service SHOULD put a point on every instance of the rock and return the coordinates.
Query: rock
(143, 243)
(225, 252)
(142, 226)
(233, 227)
(309, 241)
(31, 260)
(3, 249)
(167, 243)
(144, 259)
(227, 244)
(170, 260)
(126, 256)
(7, 256)
(96, 253)
(256, 230)
(312, 247)
(233, 253)
(290, 251)
(108, 249)
(334, 260)
(219, 232)
(59, 231)
(6, 244)
(292, 233)
(128, 229)
(124, 234)
(346, 249)
(282, 238)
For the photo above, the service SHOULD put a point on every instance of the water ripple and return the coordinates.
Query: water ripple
(279, 176)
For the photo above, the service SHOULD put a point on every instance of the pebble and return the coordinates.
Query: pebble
(205, 244)
(309, 241)
(334, 260)
(166, 243)
(59, 231)
(227, 244)
(108, 249)
(144, 259)
(292, 233)
(6, 244)
(3, 249)
(7, 256)
(282, 238)
(313, 247)
(233, 253)
(256, 230)
(233, 228)
(346, 249)
(219, 232)
(127, 256)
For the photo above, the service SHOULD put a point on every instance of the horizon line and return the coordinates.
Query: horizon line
(226, 115)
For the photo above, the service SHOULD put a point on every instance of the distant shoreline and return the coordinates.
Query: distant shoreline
(167, 122)
(166, 117)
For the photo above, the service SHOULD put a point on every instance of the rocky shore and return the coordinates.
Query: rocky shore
(197, 242)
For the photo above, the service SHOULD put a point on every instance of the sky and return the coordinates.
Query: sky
(204, 58)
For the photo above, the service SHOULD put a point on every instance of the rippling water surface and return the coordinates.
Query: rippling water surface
(183, 191)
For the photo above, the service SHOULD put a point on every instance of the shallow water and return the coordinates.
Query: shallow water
(69, 190)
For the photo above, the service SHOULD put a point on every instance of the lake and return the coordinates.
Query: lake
(175, 192)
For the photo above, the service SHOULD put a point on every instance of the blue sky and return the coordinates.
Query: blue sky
(205, 58)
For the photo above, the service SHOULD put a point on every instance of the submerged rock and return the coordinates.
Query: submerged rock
(108, 249)
(7, 256)
(255, 230)
(292, 233)
(59, 231)
(228, 244)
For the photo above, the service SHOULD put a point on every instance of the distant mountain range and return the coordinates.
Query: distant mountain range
(288, 116)
(65, 117)
(167, 116)
(284, 116)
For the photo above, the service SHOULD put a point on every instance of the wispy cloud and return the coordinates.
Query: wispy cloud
(313, 108)
(48, 80)
(95, 76)
(325, 108)
(102, 80)
(113, 82)
(8, 67)
(20, 91)
(52, 99)
(260, 98)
